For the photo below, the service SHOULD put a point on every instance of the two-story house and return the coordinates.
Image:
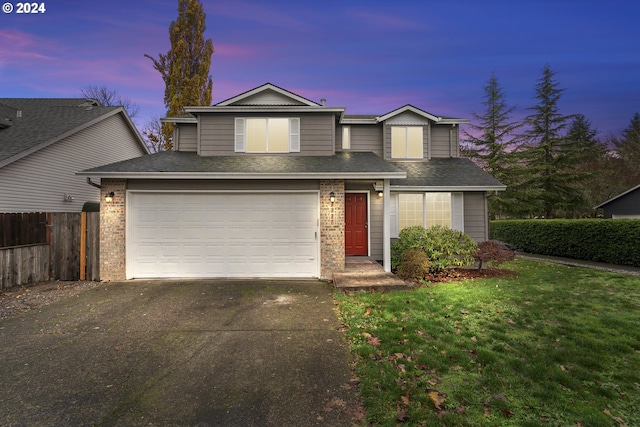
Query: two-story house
(271, 184)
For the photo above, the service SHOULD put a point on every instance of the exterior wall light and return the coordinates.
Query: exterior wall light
(380, 194)
(109, 197)
(332, 197)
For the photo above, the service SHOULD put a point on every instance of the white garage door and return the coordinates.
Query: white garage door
(222, 235)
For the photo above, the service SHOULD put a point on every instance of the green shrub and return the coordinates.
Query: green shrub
(612, 241)
(444, 247)
(415, 264)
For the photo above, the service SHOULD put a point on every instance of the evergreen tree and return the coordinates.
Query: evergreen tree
(590, 157)
(185, 67)
(628, 150)
(553, 181)
(493, 148)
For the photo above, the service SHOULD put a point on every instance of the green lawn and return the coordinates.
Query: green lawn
(554, 346)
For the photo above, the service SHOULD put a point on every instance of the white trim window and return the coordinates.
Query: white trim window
(346, 137)
(407, 142)
(267, 135)
(427, 209)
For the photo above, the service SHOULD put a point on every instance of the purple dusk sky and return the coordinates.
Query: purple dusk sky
(368, 56)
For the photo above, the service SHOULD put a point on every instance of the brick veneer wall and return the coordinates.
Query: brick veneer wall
(112, 230)
(331, 228)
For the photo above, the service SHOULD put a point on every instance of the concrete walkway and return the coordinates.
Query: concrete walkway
(179, 353)
(624, 269)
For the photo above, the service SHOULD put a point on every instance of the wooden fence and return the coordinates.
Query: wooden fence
(69, 250)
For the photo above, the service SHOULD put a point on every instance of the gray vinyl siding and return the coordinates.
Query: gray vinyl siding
(363, 138)
(39, 181)
(222, 185)
(476, 223)
(441, 142)
(317, 134)
(187, 137)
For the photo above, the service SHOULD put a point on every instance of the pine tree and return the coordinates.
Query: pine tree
(628, 149)
(590, 157)
(493, 148)
(553, 182)
(185, 67)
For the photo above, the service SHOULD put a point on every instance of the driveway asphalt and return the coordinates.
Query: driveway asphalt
(179, 353)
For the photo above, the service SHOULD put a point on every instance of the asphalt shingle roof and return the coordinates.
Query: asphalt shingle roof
(26, 123)
(447, 172)
(177, 162)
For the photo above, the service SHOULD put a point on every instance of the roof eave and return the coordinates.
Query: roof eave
(263, 108)
(243, 175)
(427, 188)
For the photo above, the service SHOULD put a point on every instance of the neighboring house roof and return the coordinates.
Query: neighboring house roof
(450, 174)
(602, 205)
(190, 165)
(30, 124)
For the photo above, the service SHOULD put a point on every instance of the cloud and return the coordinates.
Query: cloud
(23, 49)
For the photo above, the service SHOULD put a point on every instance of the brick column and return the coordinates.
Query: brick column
(331, 228)
(112, 230)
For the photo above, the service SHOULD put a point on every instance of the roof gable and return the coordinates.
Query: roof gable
(35, 123)
(268, 95)
(621, 195)
(414, 115)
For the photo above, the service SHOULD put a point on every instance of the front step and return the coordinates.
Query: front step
(365, 274)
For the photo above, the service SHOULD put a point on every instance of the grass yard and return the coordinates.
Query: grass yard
(556, 346)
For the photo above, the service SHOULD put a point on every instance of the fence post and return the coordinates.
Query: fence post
(83, 244)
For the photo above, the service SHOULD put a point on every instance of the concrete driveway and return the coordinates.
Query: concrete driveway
(183, 353)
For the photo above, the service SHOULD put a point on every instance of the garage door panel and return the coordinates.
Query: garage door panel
(222, 235)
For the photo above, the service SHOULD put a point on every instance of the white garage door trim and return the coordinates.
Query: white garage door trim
(201, 234)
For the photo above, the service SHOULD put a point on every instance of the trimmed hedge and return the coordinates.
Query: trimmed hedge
(614, 241)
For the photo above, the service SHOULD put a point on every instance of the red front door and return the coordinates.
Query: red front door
(355, 224)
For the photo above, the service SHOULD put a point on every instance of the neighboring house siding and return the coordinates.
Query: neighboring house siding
(39, 181)
(475, 219)
(444, 141)
(317, 134)
(363, 138)
(188, 137)
(627, 205)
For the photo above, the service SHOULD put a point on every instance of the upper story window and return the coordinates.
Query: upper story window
(346, 137)
(267, 135)
(406, 142)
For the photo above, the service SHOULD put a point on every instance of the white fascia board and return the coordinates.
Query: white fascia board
(454, 122)
(405, 188)
(265, 109)
(268, 86)
(412, 109)
(222, 175)
(357, 121)
(179, 120)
